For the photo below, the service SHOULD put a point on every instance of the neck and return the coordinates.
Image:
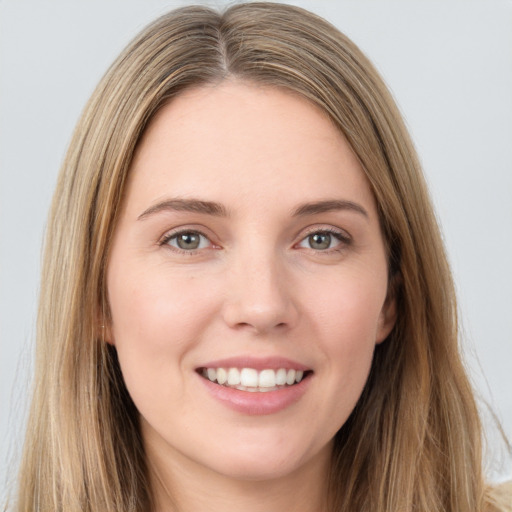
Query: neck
(180, 485)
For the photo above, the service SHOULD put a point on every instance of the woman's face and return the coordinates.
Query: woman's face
(248, 248)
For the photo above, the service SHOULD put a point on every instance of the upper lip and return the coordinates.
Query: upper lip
(257, 363)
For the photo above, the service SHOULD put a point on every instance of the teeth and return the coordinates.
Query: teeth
(222, 376)
(249, 379)
(233, 377)
(267, 379)
(281, 377)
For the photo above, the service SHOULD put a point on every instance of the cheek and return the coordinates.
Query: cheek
(350, 309)
(154, 325)
(152, 310)
(347, 324)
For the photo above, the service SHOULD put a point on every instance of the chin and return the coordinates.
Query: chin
(261, 471)
(269, 462)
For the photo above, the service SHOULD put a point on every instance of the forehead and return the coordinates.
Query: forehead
(239, 141)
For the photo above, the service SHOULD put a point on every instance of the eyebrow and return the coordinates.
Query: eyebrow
(329, 206)
(218, 210)
(186, 205)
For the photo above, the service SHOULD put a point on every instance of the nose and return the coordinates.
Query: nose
(259, 295)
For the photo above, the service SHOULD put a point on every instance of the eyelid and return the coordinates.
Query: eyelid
(341, 235)
(169, 235)
(319, 228)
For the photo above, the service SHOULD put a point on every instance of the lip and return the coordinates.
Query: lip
(257, 363)
(256, 403)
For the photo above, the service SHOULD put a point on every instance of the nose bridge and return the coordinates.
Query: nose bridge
(259, 291)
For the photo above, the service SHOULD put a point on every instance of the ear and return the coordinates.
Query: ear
(107, 334)
(104, 328)
(387, 318)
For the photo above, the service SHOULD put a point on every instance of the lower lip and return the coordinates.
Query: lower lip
(257, 403)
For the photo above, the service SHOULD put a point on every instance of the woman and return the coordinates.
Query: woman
(245, 298)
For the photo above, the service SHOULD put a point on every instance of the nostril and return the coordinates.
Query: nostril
(259, 307)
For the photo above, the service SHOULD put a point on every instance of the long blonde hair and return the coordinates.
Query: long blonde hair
(413, 441)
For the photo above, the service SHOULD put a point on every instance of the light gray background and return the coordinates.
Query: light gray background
(448, 63)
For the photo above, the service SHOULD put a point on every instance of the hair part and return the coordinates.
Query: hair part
(413, 441)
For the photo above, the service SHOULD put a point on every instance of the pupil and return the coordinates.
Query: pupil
(320, 241)
(188, 241)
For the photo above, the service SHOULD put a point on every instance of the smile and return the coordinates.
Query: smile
(252, 380)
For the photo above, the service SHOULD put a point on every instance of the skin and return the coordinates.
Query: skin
(256, 285)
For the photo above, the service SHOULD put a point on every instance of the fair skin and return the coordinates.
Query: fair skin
(248, 232)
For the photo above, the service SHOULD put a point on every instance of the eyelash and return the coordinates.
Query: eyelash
(343, 238)
(169, 236)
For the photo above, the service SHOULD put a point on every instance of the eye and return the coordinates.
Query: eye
(187, 241)
(323, 240)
